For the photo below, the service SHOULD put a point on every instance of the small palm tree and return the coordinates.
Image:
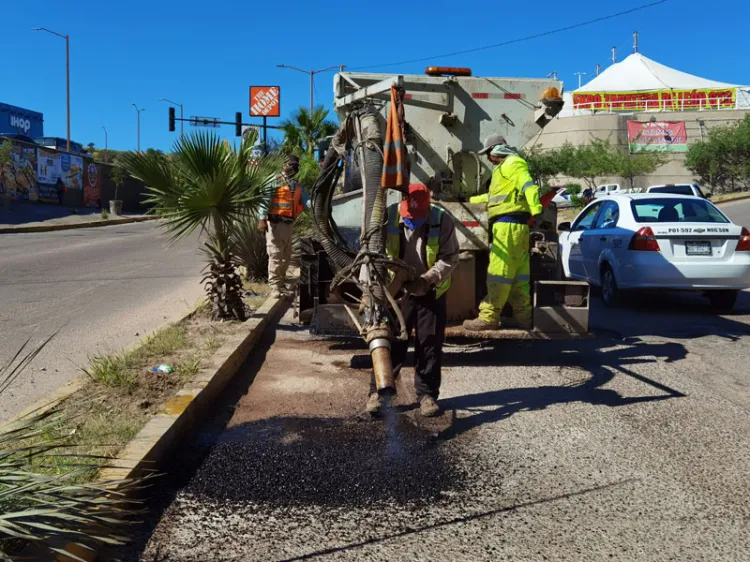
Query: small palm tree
(304, 130)
(210, 186)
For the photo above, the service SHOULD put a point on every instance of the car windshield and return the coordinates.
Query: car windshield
(676, 210)
(676, 189)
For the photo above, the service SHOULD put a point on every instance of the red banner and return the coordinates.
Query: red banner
(661, 136)
(92, 186)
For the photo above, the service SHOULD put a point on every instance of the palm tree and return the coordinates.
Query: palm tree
(209, 186)
(43, 505)
(303, 131)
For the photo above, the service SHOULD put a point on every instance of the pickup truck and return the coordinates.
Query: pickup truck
(679, 189)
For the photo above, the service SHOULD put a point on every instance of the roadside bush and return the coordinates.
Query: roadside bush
(250, 249)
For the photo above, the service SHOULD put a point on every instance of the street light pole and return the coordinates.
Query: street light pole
(67, 72)
(139, 124)
(106, 144)
(182, 122)
(312, 73)
(579, 74)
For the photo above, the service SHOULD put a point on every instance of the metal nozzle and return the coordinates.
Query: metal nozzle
(380, 351)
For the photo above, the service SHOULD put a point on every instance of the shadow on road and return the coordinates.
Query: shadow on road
(671, 315)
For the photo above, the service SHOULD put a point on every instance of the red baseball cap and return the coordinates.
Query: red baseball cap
(416, 205)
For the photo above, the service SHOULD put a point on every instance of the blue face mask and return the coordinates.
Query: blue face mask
(414, 224)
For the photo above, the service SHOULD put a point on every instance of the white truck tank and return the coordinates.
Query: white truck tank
(448, 119)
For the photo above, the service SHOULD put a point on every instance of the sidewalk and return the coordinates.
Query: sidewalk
(21, 216)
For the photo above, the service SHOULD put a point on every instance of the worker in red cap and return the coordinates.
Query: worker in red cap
(422, 235)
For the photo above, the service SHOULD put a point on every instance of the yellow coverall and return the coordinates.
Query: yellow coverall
(512, 197)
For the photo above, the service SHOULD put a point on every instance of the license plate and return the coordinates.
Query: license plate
(698, 248)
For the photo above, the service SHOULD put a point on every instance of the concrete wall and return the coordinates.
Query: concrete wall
(581, 129)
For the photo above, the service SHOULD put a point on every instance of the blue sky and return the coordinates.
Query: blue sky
(207, 54)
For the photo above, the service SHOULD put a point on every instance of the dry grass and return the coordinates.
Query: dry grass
(124, 392)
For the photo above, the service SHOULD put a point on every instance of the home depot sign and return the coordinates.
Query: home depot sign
(265, 101)
(664, 100)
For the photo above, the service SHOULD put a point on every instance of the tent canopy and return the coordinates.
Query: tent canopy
(640, 74)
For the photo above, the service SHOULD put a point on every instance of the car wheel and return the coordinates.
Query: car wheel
(611, 294)
(723, 301)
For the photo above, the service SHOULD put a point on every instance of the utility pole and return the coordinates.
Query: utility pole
(635, 41)
(67, 72)
(106, 144)
(552, 75)
(614, 55)
(579, 74)
(139, 124)
(312, 73)
(182, 123)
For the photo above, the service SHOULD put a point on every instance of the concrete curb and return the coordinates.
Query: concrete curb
(76, 226)
(733, 199)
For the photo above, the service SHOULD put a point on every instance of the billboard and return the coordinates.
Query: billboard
(265, 101)
(663, 100)
(48, 166)
(72, 171)
(661, 136)
(18, 178)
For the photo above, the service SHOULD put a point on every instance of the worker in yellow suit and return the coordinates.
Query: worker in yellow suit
(512, 200)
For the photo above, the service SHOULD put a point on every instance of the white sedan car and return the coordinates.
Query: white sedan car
(657, 241)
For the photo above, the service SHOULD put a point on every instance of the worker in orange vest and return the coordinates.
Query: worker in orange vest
(286, 203)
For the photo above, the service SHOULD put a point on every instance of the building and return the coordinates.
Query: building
(59, 144)
(646, 106)
(19, 121)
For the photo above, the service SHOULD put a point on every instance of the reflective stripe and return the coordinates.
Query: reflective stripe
(499, 279)
(527, 185)
(498, 198)
(397, 144)
(522, 278)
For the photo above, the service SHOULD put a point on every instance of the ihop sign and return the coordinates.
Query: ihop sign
(17, 120)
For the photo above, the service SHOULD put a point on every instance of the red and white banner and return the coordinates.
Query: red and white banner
(661, 136)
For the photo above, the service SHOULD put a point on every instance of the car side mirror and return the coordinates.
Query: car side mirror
(564, 227)
(709, 195)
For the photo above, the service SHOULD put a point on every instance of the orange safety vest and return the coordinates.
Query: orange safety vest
(286, 202)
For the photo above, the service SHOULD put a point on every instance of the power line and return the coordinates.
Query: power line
(520, 39)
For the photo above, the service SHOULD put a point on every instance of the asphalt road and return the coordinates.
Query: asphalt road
(100, 288)
(634, 445)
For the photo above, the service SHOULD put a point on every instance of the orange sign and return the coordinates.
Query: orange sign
(265, 101)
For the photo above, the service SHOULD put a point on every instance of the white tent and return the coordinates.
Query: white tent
(640, 74)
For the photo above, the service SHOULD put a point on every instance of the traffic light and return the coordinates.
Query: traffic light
(238, 124)
(171, 119)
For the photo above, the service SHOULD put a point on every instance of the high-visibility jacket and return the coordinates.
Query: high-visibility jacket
(512, 190)
(432, 249)
(287, 200)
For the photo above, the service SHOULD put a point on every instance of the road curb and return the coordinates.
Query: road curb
(76, 226)
(733, 199)
(180, 414)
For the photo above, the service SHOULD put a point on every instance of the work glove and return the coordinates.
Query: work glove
(418, 287)
(262, 225)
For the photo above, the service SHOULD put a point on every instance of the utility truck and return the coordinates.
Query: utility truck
(448, 114)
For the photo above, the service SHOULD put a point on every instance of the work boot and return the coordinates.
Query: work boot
(479, 325)
(374, 404)
(428, 406)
